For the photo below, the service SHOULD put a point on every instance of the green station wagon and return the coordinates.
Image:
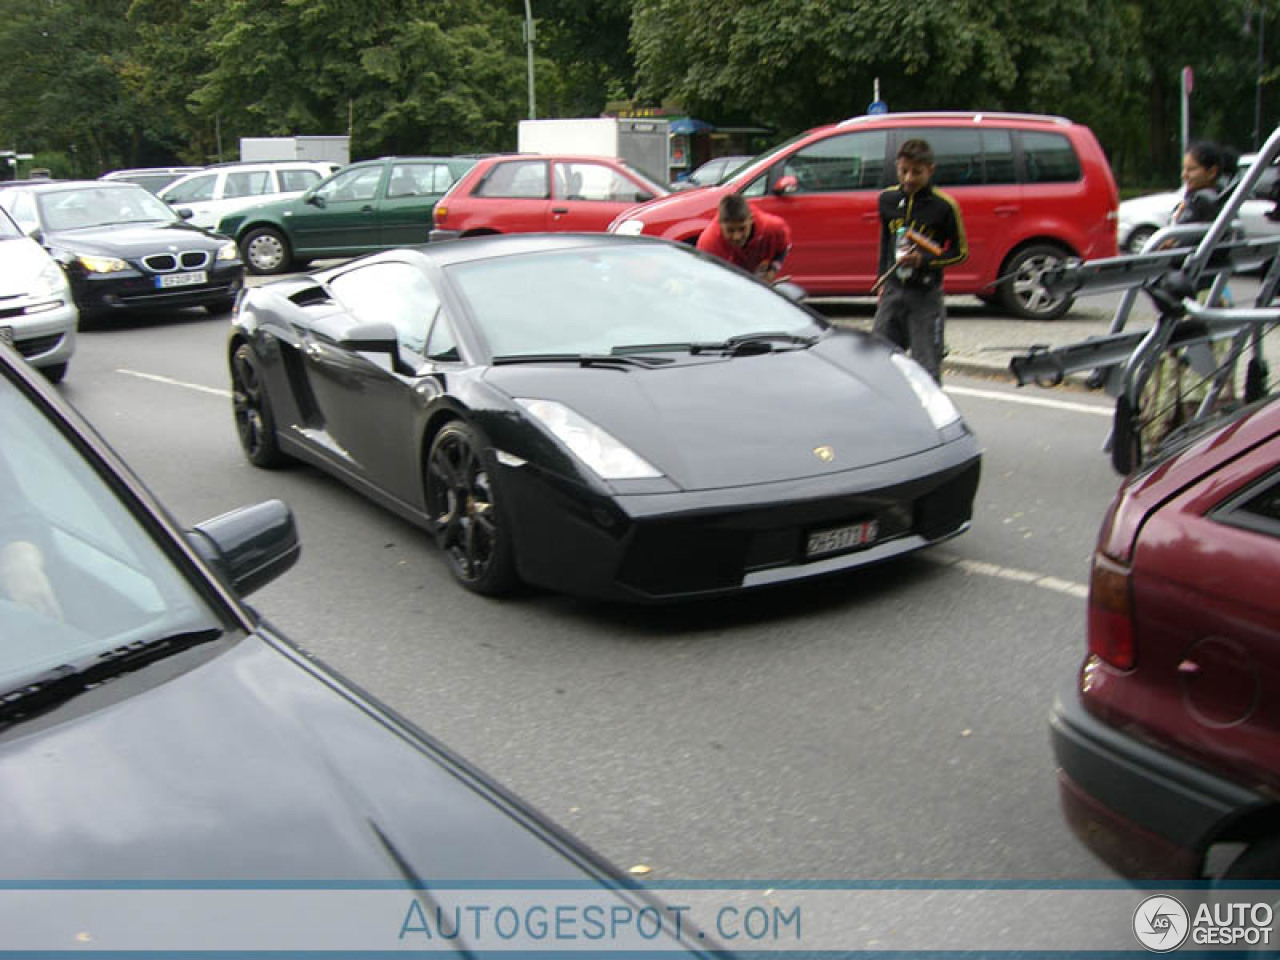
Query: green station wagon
(365, 207)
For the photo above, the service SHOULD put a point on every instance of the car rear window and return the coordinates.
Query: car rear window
(1049, 158)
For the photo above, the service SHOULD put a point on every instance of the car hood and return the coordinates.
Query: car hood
(679, 203)
(721, 422)
(21, 260)
(251, 766)
(136, 239)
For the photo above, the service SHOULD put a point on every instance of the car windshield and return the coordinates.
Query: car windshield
(79, 575)
(8, 229)
(602, 299)
(100, 206)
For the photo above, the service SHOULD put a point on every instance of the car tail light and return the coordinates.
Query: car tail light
(440, 215)
(1111, 635)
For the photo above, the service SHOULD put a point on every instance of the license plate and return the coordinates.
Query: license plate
(6, 335)
(182, 279)
(822, 542)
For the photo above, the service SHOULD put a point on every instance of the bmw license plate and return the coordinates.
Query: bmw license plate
(6, 335)
(823, 542)
(188, 279)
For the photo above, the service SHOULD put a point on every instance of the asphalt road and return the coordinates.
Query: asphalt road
(881, 725)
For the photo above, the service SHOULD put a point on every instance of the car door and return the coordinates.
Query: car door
(975, 167)
(370, 407)
(514, 196)
(197, 194)
(586, 195)
(832, 209)
(404, 213)
(340, 216)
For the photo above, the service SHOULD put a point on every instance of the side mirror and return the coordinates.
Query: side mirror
(186, 213)
(249, 547)
(315, 200)
(787, 184)
(643, 196)
(377, 337)
(792, 291)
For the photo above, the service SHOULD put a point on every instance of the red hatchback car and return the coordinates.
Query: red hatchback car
(1169, 743)
(1034, 190)
(534, 193)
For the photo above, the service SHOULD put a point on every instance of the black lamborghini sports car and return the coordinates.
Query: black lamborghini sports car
(617, 417)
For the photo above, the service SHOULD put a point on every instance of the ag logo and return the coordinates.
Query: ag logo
(1161, 923)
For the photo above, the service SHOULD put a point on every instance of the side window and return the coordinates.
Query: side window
(1256, 508)
(296, 180)
(517, 179)
(406, 181)
(398, 293)
(850, 161)
(193, 191)
(957, 154)
(595, 181)
(442, 345)
(1049, 158)
(997, 149)
(22, 207)
(358, 184)
(247, 183)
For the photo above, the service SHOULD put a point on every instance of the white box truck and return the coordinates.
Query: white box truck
(642, 143)
(335, 149)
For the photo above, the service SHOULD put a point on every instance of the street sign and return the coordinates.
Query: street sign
(878, 106)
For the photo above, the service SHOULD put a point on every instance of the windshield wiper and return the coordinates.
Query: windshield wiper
(585, 359)
(47, 690)
(749, 343)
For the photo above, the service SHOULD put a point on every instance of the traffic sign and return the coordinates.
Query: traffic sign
(878, 106)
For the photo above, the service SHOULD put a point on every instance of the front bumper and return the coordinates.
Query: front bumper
(1143, 812)
(45, 338)
(436, 236)
(662, 547)
(100, 293)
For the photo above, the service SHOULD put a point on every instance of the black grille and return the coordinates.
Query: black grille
(167, 262)
(35, 346)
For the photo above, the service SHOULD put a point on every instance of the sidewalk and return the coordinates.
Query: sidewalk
(980, 342)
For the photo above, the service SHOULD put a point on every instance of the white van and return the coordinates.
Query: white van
(226, 188)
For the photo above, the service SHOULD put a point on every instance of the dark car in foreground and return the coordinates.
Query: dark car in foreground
(367, 206)
(617, 417)
(123, 249)
(156, 732)
(1168, 742)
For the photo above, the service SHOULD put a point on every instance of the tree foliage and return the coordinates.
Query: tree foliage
(131, 82)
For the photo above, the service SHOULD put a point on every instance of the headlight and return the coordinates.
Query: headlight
(630, 228)
(609, 458)
(49, 282)
(229, 251)
(936, 403)
(101, 264)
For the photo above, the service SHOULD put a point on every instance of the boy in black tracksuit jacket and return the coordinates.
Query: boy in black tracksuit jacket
(910, 311)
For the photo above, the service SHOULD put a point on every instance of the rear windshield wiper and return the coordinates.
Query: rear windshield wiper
(46, 690)
(584, 359)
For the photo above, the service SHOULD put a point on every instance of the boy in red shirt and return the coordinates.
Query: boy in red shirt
(755, 241)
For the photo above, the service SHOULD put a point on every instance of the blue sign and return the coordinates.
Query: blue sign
(878, 106)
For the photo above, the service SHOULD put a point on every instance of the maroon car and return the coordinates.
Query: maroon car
(1169, 743)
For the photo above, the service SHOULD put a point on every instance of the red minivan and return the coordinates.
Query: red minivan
(1034, 191)
(535, 193)
(1168, 742)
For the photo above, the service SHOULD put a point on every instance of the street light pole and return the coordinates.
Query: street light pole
(528, 40)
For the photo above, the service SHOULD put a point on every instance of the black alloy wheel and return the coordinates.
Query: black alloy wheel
(255, 423)
(466, 517)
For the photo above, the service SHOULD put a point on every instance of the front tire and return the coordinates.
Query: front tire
(1024, 294)
(1138, 239)
(265, 251)
(255, 422)
(466, 516)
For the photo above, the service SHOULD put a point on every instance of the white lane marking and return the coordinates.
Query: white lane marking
(1097, 411)
(981, 569)
(225, 394)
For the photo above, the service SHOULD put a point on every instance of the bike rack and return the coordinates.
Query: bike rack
(1123, 361)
